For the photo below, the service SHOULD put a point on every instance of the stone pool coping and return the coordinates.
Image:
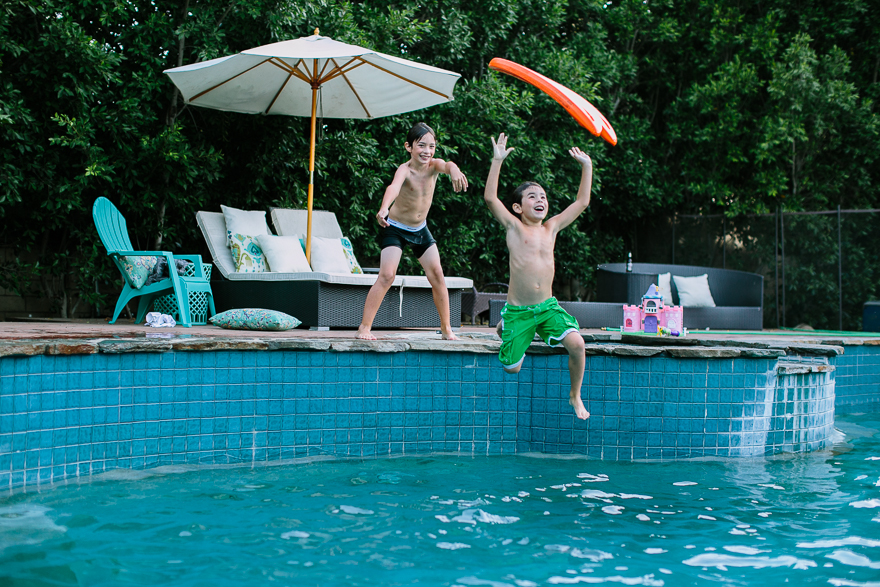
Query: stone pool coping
(92, 337)
(482, 343)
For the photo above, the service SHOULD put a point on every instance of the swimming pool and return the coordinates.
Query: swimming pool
(505, 520)
(65, 416)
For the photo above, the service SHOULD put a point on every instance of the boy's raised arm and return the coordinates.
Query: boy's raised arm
(499, 153)
(580, 204)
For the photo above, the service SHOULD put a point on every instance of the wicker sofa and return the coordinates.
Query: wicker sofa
(321, 300)
(738, 295)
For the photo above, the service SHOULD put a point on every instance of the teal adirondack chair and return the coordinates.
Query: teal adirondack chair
(114, 234)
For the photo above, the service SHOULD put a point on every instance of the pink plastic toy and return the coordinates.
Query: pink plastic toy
(652, 317)
(632, 318)
(652, 304)
(672, 318)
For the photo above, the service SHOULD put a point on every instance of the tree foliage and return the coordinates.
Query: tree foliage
(721, 107)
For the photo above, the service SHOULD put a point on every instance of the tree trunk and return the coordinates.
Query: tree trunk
(170, 119)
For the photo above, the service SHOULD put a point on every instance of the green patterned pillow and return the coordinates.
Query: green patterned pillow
(138, 268)
(349, 255)
(247, 254)
(254, 319)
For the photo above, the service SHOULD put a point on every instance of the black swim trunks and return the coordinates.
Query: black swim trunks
(420, 240)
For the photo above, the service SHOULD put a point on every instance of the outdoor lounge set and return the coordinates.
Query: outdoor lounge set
(334, 295)
(317, 298)
(737, 296)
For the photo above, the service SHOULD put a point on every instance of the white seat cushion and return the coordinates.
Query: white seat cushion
(664, 284)
(693, 292)
(284, 254)
(248, 223)
(328, 256)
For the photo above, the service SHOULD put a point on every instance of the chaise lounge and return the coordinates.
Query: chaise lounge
(319, 299)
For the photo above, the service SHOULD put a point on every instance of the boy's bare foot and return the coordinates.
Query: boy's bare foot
(365, 334)
(579, 410)
(448, 335)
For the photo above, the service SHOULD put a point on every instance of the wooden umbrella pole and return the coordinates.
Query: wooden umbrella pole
(311, 177)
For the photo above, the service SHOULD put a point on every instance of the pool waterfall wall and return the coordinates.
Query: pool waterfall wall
(75, 408)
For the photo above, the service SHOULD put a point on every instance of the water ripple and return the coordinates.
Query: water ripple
(723, 561)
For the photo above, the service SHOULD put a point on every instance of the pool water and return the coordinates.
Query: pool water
(463, 520)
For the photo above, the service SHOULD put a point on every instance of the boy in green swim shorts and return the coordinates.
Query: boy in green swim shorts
(531, 306)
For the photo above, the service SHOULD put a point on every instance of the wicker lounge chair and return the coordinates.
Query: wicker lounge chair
(474, 303)
(738, 295)
(322, 300)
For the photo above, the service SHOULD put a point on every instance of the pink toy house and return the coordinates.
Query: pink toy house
(652, 306)
(672, 318)
(652, 315)
(632, 318)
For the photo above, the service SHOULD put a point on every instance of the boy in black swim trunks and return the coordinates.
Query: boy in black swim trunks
(402, 217)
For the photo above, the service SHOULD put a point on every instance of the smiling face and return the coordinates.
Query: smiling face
(422, 149)
(529, 202)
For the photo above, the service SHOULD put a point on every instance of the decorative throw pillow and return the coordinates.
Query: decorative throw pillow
(247, 254)
(243, 222)
(693, 292)
(353, 264)
(254, 319)
(284, 254)
(138, 268)
(328, 256)
(664, 284)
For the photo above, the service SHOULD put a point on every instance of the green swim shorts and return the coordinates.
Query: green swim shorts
(548, 319)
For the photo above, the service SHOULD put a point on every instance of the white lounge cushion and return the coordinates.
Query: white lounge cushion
(251, 223)
(693, 292)
(367, 279)
(328, 256)
(289, 222)
(664, 283)
(284, 254)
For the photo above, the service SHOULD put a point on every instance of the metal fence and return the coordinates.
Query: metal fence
(819, 268)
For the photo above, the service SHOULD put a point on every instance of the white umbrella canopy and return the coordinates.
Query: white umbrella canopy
(286, 78)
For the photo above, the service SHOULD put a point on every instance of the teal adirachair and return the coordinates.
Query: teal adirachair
(114, 234)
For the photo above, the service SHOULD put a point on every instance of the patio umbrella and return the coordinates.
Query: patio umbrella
(290, 78)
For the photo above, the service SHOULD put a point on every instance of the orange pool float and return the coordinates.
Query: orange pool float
(582, 111)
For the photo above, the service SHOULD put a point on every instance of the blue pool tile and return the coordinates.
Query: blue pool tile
(20, 384)
(33, 365)
(7, 367)
(529, 411)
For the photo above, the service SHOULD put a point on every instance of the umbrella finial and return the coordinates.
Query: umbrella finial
(316, 31)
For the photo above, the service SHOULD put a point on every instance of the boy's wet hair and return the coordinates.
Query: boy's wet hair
(419, 130)
(516, 196)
